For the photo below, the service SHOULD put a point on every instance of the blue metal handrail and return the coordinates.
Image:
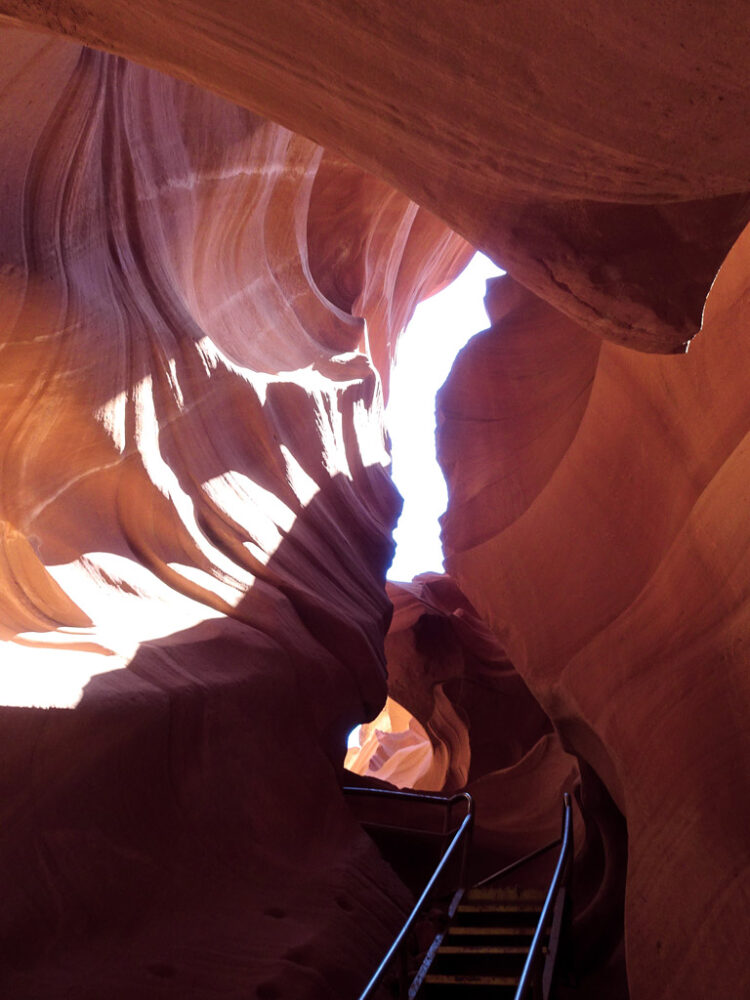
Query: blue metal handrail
(502, 872)
(461, 836)
(533, 977)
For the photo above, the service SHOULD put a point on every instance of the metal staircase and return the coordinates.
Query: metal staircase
(485, 948)
(490, 940)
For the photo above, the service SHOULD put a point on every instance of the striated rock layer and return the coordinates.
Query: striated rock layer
(598, 519)
(464, 719)
(196, 520)
(196, 509)
(585, 147)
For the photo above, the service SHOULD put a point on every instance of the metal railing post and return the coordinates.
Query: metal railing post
(397, 951)
(537, 975)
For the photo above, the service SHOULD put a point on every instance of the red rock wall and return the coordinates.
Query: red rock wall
(180, 324)
(585, 148)
(597, 519)
(459, 717)
(449, 672)
(452, 672)
(196, 520)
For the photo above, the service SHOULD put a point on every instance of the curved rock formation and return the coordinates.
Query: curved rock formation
(196, 521)
(395, 748)
(487, 733)
(605, 538)
(585, 148)
(196, 509)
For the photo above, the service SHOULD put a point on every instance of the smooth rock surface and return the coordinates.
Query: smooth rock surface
(196, 522)
(491, 736)
(606, 540)
(584, 147)
(195, 503)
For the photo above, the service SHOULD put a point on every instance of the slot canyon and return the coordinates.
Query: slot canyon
(217, 218)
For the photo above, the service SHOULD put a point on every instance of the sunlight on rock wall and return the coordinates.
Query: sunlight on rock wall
(395, 748)
(198, 309)
(196, 519)
(609, 553)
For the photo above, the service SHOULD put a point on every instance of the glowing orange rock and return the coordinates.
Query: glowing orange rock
(585, 148)
(195, 502)
(486, 731)
(606, 540)
(196, 520)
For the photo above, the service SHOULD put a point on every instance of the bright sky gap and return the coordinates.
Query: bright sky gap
(441, 326)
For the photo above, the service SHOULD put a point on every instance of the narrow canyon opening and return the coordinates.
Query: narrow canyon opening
(394, 746)
(427, 348)
(214, 228)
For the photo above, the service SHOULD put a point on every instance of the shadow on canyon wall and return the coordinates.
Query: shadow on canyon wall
(193, 795)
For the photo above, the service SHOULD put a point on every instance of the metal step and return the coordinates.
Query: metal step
(484, 917)
(499, 906)
(485, 948)
(459, 991)
(501, 962)
(462, 930)
(444, 979)
(508, 894)
(448, 949)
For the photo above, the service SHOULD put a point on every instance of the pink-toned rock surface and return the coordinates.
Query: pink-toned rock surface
(586, 147)
(196, 521)
(598, 520)
(481, 729)
(395, 747)
(196, 510)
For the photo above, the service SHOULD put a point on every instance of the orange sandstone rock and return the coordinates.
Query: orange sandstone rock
(195, 504)
(606, 542)
(586, 148)
(452, 672)
(196, 520)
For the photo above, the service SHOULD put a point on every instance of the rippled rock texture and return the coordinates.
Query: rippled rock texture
(196, 510)
(196, 521)
(586, 149)
(460, 717)
(598, 521)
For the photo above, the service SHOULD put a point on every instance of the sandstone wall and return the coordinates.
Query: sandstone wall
(598, 521)
(196, 521)
(195, 501)
(585, 148)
